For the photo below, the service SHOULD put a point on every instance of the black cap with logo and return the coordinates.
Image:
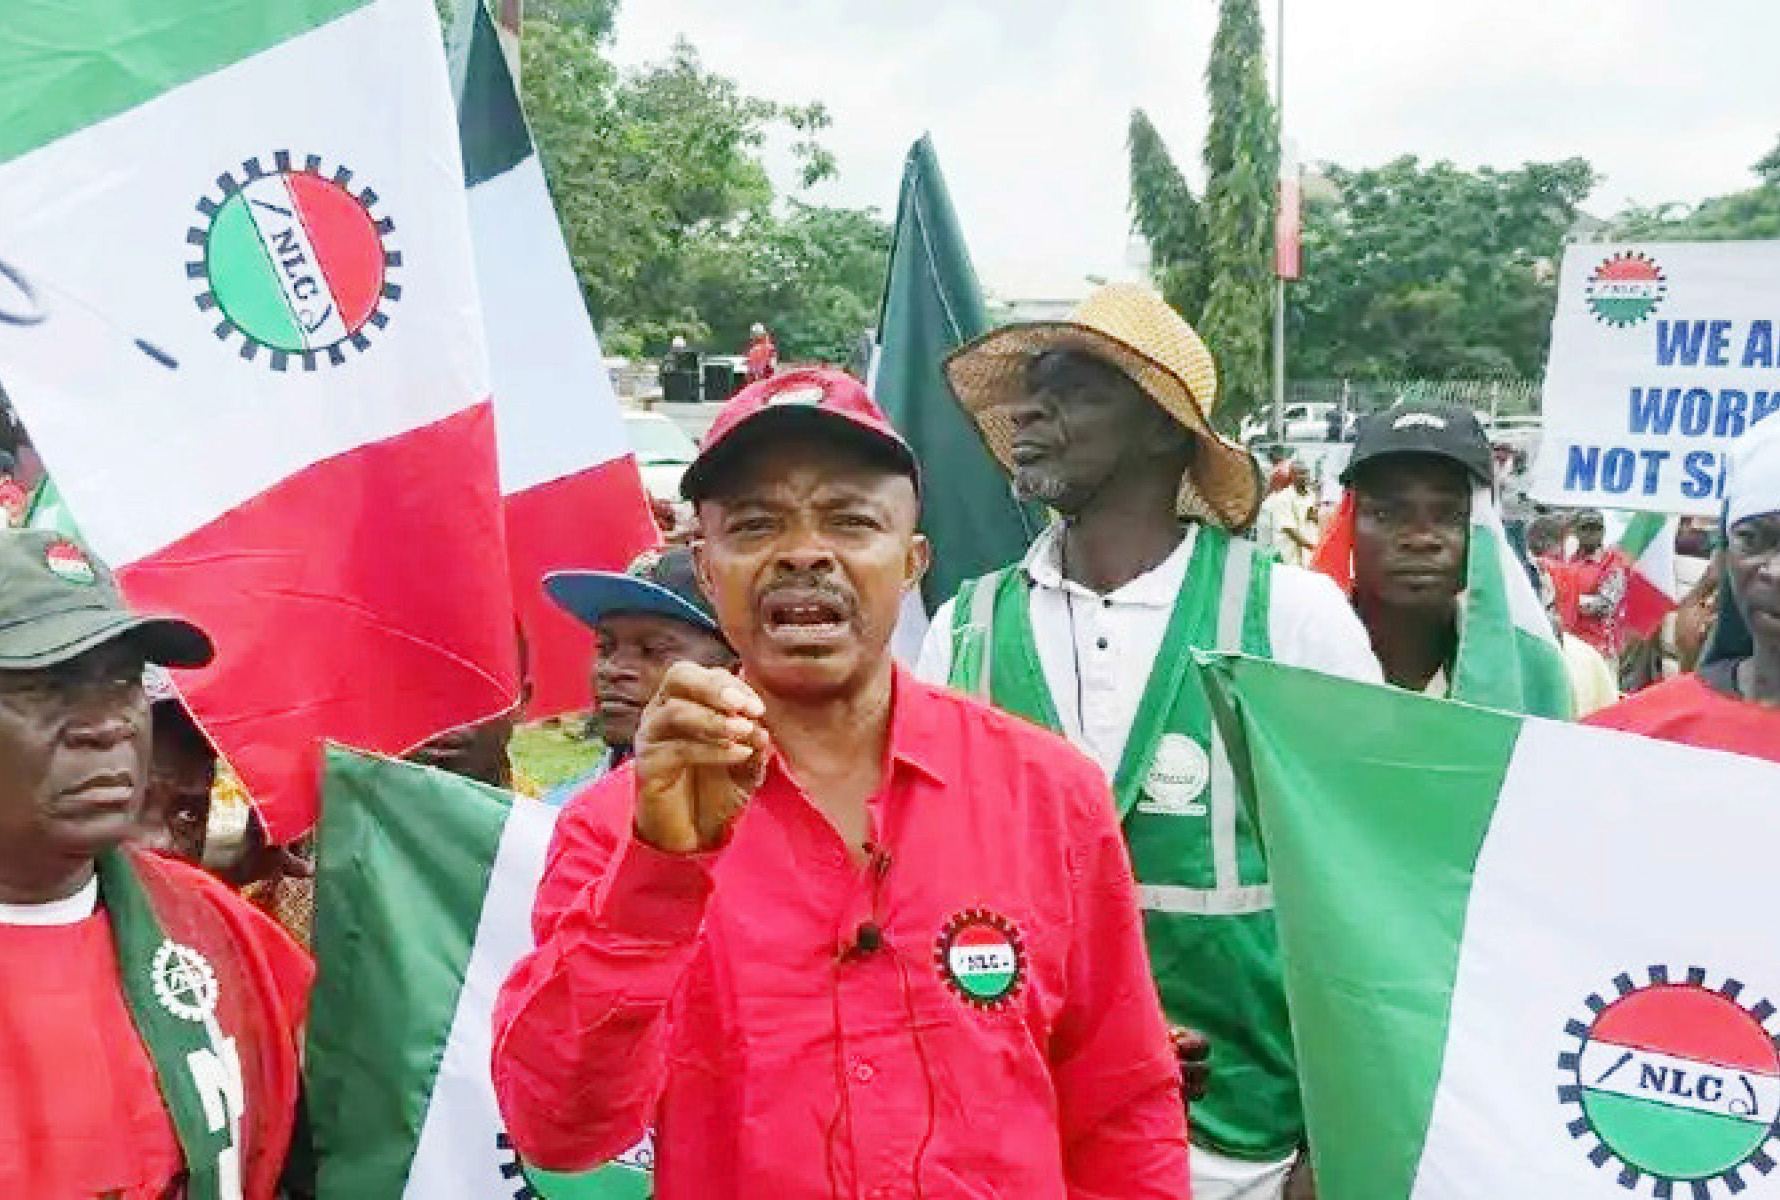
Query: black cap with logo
(57, 602)
(1413, 427)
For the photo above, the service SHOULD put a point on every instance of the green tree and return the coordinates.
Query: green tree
(1242, 172)
(671, 219)
(1431, 272)
(1747, 215)
(594, 17)
(1164, 211)
(812, 275)
(1768, 166)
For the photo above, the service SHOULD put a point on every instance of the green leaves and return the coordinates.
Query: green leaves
(1213, 260)
(1419, 271)
(1164, 211)
(1754, 214)
(1242, 173)
(670, 216)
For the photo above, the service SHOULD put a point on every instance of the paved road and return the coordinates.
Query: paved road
(695, 419)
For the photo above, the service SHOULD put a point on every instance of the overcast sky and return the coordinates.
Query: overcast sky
(1027, 100)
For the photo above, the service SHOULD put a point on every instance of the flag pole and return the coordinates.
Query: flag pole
(1279, 282)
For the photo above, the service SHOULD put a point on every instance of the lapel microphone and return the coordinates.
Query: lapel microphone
(868, 939)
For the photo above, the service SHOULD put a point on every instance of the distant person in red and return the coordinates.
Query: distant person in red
(763, 355)
(149, 1017)
(1732, 702)
(1545, 551)
(1600, 575)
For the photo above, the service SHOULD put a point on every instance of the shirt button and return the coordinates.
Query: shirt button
(1102, 643)
(864, 1072)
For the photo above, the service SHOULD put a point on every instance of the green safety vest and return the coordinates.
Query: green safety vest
(1208, 906)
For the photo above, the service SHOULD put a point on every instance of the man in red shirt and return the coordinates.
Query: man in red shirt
(1733, 701)
(835, 932)
(763, 355)
(1600, 579)
(148, 1016)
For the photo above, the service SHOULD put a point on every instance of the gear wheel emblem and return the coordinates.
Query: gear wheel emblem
(1673, 1083)
(982, 958)
(294, 262)
(1625, 289)
(184, 982)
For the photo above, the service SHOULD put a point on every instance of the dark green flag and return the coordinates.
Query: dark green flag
(933, 304)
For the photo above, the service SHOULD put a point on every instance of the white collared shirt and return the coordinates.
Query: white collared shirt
(1118, 635)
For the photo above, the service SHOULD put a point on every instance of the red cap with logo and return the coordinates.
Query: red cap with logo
(820, 400)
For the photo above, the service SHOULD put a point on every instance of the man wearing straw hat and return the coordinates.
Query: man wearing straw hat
(1105, 418)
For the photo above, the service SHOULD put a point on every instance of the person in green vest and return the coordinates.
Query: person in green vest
(1105, 418)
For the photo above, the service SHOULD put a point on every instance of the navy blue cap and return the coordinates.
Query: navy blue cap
(658, 584)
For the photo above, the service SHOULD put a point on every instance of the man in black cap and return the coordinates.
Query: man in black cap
(1421, 550)
(152, 1015)
(647, 619)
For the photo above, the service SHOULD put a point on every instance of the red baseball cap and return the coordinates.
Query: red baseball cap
(816, 399)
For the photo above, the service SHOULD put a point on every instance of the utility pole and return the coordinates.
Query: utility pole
(1279, 280)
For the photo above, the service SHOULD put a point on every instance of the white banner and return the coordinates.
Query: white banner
(1662, 355)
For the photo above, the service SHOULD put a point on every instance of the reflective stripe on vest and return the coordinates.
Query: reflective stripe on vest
(1230, 896)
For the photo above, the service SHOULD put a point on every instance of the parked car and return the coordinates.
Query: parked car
(1307, 422)
(1521, 431)
(663, 451)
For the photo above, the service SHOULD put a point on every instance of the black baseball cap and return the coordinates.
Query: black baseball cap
(658, 584)
(1414, 427)
(58, 601)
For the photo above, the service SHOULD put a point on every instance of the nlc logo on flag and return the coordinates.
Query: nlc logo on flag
(294, 261)
(1675, 1081)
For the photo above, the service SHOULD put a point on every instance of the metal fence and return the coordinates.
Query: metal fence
(1489, 398)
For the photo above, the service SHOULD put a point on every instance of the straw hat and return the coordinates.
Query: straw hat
(1134, 329)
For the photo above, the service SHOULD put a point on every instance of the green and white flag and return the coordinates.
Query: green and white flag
(49, 511)
(1524, 959)
(932, 305)
(423, 904)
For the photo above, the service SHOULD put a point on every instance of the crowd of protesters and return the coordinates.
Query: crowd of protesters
(736, 934)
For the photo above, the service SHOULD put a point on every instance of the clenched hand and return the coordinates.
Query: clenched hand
(701, 751)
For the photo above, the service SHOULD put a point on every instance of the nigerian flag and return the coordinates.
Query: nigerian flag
(1524, 959)
(932, 305)
(423, 904)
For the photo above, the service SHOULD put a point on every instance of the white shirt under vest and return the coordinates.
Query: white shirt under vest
(1118, 635)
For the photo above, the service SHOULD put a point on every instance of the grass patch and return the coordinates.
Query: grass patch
(547, 755)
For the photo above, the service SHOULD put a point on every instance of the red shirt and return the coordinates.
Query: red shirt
(763, 359)
(1003, 1039)
(1687, 709)
(1600, 576)
(81, 1114)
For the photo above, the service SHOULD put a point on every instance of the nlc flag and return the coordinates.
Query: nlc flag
(242, 327)
(574, 497)
(423, 903)
(1523, 958)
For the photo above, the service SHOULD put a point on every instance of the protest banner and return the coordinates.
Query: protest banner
(1662, 355)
